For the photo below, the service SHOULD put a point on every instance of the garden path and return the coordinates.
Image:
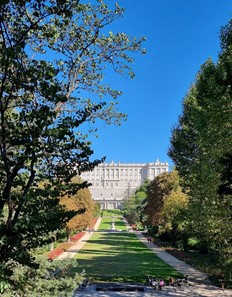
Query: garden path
(71, 252)
(200, 286)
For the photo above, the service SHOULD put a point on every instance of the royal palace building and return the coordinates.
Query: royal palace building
(113, 182)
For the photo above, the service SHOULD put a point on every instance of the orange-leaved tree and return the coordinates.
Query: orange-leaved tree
(83, 203)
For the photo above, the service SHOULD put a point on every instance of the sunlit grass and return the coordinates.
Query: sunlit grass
(106, 224)
(120, 257)
(111, 212)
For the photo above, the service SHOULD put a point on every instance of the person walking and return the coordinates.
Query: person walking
(222, 282)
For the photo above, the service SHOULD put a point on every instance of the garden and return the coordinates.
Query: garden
(120, 257)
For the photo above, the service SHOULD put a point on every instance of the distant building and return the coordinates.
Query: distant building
(112, 182)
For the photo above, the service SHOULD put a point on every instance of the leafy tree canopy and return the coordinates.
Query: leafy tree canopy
(201, 149)
(83, 203)
(53, 60)
(158, 190)
(133, 205)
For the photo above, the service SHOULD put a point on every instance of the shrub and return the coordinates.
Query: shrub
(27, 281)
(193, 243)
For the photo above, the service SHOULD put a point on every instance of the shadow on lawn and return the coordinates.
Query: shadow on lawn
(117, 257)
(116, 240)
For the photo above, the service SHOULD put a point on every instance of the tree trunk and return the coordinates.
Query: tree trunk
(52, 246)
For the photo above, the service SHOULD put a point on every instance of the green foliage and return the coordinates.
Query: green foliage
(53, 57)
(133, 205)
(173, 217)
(111, 212)
(4, 284)
(166, 207)
(132, 261)
(106, 223)
(157, 191)
(97, 210)
(193, 243)
(43, 282)
(201, 149)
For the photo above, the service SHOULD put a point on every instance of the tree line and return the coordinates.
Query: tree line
(195, 200)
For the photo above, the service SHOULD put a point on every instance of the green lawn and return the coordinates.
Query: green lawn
(106, 223)
(111, 212)
(120, 257)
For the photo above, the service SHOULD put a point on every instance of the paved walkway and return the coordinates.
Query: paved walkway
(199, 285)
(179, 265)
(71, 252)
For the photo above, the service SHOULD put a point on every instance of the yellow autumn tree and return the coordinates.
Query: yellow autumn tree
(173, 211)
(83, 203)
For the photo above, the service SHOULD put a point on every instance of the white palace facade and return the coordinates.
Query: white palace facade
(112, 182)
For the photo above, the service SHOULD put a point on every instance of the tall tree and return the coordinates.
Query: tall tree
(166, 206)
(157, 191)
(133, 205)
(83, 203)
(53, 56)
(173, 217)
(201, 148)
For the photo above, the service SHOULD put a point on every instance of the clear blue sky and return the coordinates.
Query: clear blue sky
(181, 35)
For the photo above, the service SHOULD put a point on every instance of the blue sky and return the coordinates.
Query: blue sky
(181, 35)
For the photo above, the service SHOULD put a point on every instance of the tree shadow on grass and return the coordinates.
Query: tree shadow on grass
(117, 257)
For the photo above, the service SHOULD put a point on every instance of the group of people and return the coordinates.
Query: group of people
(178, 282)
(159, 284)
(156, 284)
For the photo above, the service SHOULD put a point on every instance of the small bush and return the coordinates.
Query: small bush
(193, 243)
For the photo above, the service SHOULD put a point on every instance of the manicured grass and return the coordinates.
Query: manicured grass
(120, 257)
(106, 224)
(108, 213)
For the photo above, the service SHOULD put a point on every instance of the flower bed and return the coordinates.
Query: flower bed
(66, 245)
(55, 253)
(78, 236)
(62, 247)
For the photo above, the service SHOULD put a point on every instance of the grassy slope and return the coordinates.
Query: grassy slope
(120, 257)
